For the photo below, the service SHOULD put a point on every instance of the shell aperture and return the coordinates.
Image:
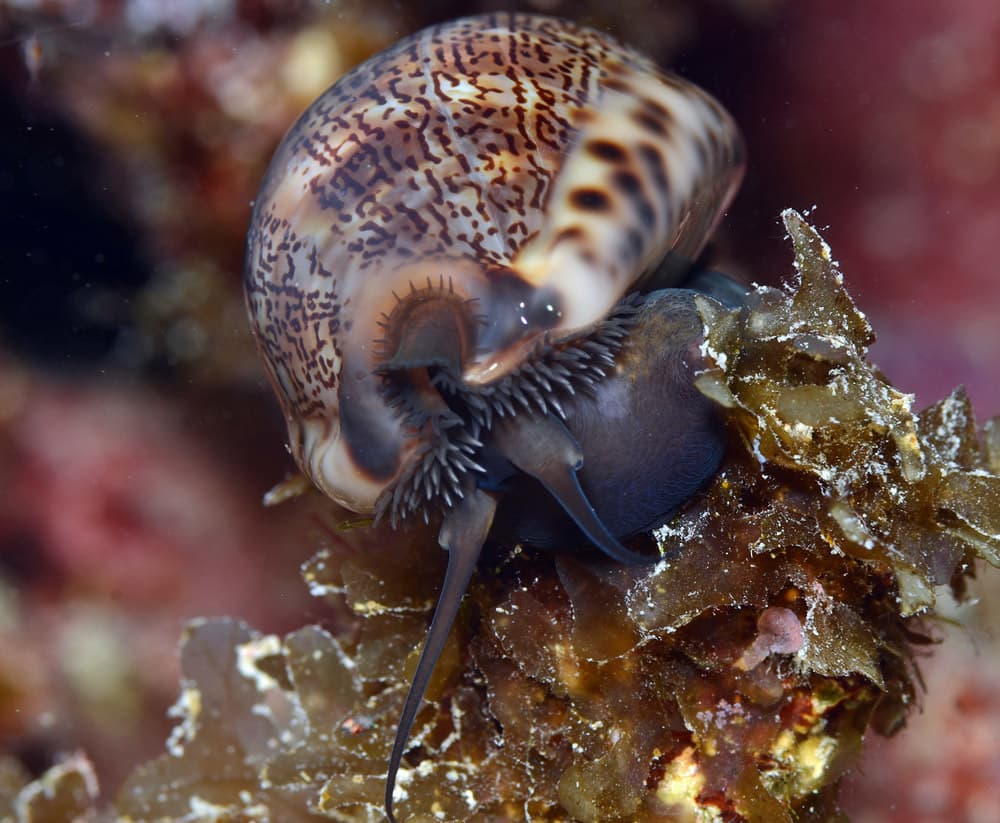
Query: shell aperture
(448, 273)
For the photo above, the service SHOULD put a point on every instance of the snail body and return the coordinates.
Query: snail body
(454, 271)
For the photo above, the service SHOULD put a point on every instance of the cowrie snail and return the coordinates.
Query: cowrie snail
(459, 272)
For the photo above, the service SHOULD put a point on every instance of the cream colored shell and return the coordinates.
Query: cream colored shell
(533, 166)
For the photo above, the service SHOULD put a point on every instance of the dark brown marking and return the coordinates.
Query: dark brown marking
(569, 234)
(630, 185)
(654, 164)
(649, 122)
(657, 110)
(589, 200)
(628, 182)
(606, 150)
(618, 85)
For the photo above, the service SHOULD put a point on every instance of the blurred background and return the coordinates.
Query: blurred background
(137, 434)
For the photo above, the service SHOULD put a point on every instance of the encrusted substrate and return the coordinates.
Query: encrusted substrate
(732, 680)
(66, 792)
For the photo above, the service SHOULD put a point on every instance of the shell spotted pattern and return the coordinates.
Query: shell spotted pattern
(524, 166)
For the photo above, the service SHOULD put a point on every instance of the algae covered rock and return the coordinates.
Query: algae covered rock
(734, 678)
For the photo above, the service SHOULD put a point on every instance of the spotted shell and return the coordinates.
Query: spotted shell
(530, 168)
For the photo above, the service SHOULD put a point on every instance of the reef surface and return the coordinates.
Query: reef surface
(732, 679)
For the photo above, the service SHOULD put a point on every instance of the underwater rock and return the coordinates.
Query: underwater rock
(734, 679)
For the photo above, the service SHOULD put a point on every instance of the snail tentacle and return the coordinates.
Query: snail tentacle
(544, 449)
(462, 535)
